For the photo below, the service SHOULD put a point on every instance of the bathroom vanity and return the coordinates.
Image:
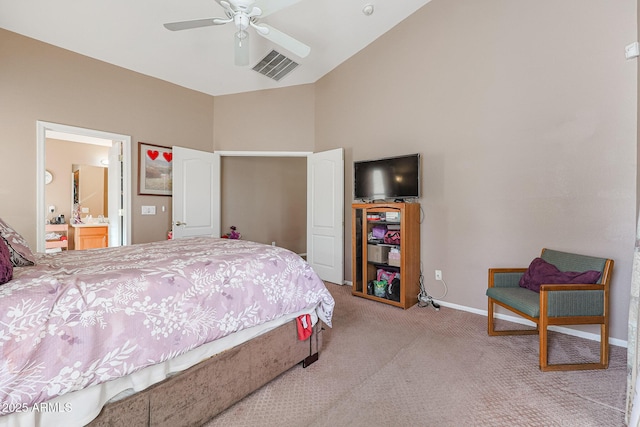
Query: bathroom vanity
(90, 236)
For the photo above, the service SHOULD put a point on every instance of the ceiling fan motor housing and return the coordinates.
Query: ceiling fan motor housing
(241, 20)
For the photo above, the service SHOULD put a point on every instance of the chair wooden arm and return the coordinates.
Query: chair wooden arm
(572, 287)
(507, 270)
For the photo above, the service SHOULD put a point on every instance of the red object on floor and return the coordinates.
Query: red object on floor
(304, 326)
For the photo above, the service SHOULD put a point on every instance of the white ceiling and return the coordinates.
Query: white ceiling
(130, 34)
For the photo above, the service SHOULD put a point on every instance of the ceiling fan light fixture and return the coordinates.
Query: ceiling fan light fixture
(241, 36)
(241, 48)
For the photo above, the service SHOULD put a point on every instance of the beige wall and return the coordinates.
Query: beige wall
(525, 115)
(42, 82)
(268, 120)
(266, 199)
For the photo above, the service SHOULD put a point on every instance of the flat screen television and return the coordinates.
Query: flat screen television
(388, 178)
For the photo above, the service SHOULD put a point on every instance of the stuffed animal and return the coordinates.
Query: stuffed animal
(233, 234)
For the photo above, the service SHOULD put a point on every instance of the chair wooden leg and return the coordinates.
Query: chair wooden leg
(490, 325)
(604, 354)
(604, 345)
(544, 354)
(491, 322)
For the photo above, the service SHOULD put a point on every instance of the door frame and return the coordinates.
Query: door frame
(264, 153)
(261, 154)
(41, 136)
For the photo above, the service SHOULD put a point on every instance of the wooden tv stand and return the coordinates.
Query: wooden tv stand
(370, 255)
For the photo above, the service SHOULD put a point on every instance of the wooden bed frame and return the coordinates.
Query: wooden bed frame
(194, 396)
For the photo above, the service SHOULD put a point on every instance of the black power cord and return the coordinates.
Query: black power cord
(426, 300)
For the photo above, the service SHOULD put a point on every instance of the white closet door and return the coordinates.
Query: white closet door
(325, 214)
(196, 193)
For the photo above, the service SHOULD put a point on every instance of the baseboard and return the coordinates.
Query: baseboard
(516, 319)
(348, 283)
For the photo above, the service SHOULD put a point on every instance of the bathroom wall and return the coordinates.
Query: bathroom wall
(59, 160)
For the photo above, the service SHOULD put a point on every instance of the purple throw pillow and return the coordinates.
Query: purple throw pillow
(541, 272)
(6, 268)
(19, 251)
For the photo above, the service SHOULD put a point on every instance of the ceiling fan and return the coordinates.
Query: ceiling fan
(245, 14)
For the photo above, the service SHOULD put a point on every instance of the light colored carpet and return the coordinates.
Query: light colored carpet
(384, 366)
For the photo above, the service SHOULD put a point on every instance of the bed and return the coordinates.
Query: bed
(162, 333)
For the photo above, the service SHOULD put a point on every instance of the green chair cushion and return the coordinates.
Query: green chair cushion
(521, 299)
(561, 303)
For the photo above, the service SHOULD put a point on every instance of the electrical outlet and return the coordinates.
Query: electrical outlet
(148, 210)
(632, 50)
(438, 274)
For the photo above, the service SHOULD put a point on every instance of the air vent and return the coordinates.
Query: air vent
(275, 65)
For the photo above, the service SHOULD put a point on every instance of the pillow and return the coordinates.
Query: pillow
(6, 268)
(21, 255)
(541, 272)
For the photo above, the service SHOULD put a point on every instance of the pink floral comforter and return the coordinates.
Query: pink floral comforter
(84, 317)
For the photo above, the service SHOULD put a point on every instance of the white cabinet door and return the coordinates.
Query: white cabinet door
(196, 193)
(325, 214)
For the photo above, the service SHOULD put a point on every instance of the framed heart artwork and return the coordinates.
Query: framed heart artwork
(154, 170)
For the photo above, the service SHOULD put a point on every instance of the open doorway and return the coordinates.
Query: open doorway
(266, 199)
(118, 177)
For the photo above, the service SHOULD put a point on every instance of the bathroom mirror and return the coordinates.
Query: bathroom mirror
(89, 189)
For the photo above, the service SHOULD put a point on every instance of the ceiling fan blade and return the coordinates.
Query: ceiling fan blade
(241, 49)
(196, 23)
(225, 4)
(271, 6)
(278, 37)
(256, 11)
